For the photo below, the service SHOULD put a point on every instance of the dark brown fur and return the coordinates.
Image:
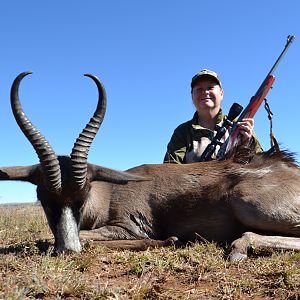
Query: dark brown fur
(214, 201)
(249, 200)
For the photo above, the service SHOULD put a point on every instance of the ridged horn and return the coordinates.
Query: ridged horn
(82, 145)
(47, 157)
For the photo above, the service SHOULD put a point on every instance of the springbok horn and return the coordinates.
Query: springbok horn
(82, 145)
(47, 157)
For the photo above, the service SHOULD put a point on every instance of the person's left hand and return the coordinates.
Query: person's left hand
(246, 129)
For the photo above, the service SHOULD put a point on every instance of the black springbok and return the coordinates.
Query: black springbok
(255, 204)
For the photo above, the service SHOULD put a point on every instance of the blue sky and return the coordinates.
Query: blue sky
(145, 53)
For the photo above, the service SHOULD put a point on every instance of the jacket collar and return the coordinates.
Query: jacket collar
(194, 120)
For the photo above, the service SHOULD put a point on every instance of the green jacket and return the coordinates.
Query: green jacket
(190, 139)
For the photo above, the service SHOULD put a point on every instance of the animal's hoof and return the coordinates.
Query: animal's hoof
(233, 257)
(171, 241)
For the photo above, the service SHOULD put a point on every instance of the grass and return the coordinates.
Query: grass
(29, 270)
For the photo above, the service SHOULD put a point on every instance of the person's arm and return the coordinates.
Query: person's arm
(177, 146)
(256, 144)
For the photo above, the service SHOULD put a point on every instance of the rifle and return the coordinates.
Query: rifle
(232, 141)
(234, 112)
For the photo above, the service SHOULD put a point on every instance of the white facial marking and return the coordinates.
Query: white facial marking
(67, 232)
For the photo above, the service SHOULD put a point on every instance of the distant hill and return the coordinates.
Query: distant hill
(23, 204)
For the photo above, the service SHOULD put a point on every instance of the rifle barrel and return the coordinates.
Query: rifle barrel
(290, 39)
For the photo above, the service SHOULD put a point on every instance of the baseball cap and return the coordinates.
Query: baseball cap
(205, 72)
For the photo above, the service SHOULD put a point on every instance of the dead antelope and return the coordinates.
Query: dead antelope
(155, 205)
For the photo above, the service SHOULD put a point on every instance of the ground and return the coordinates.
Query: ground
(30, 270)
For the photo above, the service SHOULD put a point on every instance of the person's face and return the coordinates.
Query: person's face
(207, 95)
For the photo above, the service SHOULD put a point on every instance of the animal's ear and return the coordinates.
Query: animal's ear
(98, 173)
(30, 174)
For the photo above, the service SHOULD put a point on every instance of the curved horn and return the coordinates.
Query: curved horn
(46, 155)
(82, 145)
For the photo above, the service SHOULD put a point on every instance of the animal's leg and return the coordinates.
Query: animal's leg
(240, 247)
(269, 204)
(137, 245)
(112, 232)
(115, 237)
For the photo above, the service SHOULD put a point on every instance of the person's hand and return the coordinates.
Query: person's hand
(246, 130)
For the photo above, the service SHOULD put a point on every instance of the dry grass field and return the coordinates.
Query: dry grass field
(30, 270)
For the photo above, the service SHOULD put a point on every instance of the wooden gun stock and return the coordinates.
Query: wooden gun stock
(233, 140)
